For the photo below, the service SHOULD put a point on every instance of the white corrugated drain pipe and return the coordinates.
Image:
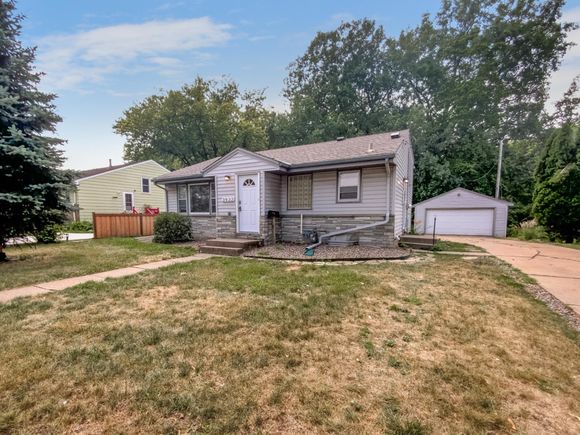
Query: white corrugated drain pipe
(309, 251)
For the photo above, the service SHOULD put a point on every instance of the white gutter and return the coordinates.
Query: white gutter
(362, 227)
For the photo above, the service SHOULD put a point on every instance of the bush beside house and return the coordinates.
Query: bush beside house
(171, 228)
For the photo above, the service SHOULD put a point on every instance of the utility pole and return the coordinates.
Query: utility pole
(499, 160)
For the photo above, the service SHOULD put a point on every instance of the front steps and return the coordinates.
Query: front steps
(418, 241)
(228, 247)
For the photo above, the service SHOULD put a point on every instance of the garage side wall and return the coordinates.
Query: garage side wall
(463, 199)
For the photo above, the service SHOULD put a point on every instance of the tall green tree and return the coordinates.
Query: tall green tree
(557, 191)
(345, 84)
(200, 121)
(473, 75)
(33, 191)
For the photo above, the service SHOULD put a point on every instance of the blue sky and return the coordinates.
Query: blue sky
(100, 57)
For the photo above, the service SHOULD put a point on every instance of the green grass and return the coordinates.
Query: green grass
(31, 264)
(232, 345)
(444, 245)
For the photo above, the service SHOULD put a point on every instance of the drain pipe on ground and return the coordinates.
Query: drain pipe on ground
(309, 250)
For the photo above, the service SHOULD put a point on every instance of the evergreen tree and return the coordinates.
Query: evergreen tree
(557, 192)
(32, 188)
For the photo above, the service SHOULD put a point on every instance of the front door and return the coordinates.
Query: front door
(248, 204)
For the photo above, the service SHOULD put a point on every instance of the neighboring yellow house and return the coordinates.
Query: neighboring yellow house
(117, 189)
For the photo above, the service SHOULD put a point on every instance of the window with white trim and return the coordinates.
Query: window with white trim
(145, 185)
(202, 198)
(348, 186)
(128, 201)
(300, 192)
(182, 198)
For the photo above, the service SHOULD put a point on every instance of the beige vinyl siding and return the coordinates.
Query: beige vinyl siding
(458, 199)
(324, 193)
(238, 163)
(104, 193)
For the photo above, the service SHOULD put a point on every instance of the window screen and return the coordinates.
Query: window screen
(182, 198)
(128, 201)
(145, 185)
(300, 192)
(348, 186)
(199, 198)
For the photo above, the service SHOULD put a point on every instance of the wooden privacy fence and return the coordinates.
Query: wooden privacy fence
(122, 225)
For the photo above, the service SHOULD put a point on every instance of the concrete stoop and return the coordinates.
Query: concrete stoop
(229, 247)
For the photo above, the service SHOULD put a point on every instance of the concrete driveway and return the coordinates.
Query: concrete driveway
(557, 269)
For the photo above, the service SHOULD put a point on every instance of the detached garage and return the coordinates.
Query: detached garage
(462, 212)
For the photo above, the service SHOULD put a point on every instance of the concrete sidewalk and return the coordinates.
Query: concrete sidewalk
(61, 284)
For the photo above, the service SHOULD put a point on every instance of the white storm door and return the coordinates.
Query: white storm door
(248, 204)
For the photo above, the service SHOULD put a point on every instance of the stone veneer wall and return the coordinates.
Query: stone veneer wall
(203, 227)
(380, 236)
(226, 226)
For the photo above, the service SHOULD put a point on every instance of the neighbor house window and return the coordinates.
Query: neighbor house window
(128, 201)
(348, 186)
(300, 192)
(145, 185)
(202, 198)
(182, 198)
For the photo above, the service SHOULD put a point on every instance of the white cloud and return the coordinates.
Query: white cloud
(73, 60)
(570, 67)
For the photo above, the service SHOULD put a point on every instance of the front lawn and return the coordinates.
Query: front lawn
(435, 345)
(32, 264)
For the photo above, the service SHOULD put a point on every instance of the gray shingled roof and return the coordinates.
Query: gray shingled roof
(97, 171)
(355, 148)
(189, 171)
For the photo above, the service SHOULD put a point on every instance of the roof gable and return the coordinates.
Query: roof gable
(461, 189)
(220, 161)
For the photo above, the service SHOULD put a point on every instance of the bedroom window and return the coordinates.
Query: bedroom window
(182, 198)
(145, 185)
(202, 198)
(348, 186)
(300, 192)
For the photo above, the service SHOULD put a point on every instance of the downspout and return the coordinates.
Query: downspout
(166, 195)
(309, 251)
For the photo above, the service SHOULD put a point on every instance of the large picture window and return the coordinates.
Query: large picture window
(348, 186)
(300, 192)
(202, 198)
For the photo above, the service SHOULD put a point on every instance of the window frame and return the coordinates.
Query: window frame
(148, 185)
(311, 174)
(184, 186)
(124, 204)
(211, 206)
(359, 187)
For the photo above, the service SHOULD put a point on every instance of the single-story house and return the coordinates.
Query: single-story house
(462, 212)
(118, 189)
(277, 194)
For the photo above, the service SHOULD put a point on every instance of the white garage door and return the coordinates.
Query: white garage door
(461, 222)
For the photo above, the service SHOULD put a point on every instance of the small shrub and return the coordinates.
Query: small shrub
(528, 230)
(171, 228)
(79, 227)
(48, 234)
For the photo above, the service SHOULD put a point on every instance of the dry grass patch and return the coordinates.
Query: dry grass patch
(233, 345)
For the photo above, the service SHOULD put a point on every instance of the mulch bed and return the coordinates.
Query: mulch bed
(287, 251)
